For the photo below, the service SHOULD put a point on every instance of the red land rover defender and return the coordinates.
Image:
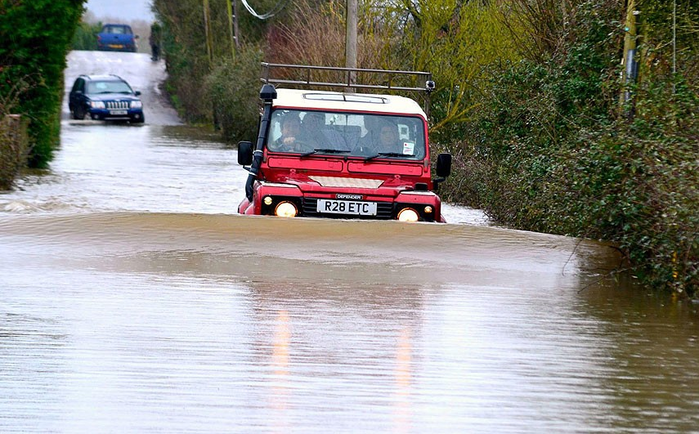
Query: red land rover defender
(343, 155)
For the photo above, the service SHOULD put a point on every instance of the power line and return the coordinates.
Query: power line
(275, 10)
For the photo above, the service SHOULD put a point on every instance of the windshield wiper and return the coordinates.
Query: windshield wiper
(387, 154)
(325, 150)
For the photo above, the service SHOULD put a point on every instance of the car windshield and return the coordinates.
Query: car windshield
(121, 30)
(110, 86)
(369, 136)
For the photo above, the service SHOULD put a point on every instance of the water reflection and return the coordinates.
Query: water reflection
(653, 343)
(348, 326)
(279, 396)
(333, 348)
(133, 299)
(403, 407)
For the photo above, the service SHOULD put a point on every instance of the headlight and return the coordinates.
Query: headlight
(408, 215)
(97, 104)
(136, 104)
(286, 209)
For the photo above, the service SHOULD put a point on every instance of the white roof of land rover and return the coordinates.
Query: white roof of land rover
(338, 101)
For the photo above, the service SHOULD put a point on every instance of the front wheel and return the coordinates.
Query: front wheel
(139, 120)
(79, 113)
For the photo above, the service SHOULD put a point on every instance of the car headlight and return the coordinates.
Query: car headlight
(97, 104)
(136, 104)
(408, 215)
(286, 209)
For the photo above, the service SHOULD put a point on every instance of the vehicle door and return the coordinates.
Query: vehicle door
(77, 93)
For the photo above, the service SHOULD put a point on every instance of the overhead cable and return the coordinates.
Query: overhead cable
(275, 10)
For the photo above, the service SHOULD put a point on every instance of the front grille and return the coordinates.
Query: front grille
(117, 104)
(384, 210)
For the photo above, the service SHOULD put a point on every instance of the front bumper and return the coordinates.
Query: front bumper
(131, 113)
(425, 205)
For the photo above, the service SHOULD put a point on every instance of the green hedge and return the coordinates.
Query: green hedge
(233, 90)
(552, 151)
(86, 36)
(36, 37)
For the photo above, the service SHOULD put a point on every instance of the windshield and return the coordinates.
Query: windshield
(111, 86)
(120, 30)
(347, 134)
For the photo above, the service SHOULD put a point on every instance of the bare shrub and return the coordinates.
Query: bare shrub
(13, 149)
(311, 36)
(14, 144)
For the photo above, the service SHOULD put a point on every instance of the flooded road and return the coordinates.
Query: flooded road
(134, 299)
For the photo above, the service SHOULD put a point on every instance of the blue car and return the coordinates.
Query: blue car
(105, 97)
(117, 37)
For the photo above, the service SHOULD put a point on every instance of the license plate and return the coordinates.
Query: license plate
(118, 112)
(115, 46)
(345, 207)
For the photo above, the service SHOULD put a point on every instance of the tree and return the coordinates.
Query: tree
(36, 38)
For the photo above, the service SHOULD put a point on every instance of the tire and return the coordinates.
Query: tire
(141, 120)
(79, 113)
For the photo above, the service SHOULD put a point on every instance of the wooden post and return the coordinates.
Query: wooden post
(351, 37)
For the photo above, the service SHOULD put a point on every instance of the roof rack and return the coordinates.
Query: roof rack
(350, 74)
(350, 82)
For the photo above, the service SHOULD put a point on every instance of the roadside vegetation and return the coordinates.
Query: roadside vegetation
(36, 38)
(552, 149)
(86, 36)
(532, 101)
(14, 149)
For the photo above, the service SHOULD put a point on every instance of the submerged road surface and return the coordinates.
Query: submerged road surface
(134, 299)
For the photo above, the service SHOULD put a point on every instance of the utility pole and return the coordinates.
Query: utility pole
(674, 44)
(207, 32)
(630, 63)
(232, 26)
(351, 41)
(235, 24)
(210, 51)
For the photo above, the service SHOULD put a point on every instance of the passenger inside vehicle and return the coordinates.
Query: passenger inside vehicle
(389, 140)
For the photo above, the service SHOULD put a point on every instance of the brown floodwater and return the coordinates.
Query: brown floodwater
(134, 299)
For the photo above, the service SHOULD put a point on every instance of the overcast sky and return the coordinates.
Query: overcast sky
(124, 9)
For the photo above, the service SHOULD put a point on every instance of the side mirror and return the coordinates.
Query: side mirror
(245, 153)
(137, 93)
(443, 165)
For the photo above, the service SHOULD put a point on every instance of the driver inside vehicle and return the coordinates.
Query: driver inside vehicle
(289, 140)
